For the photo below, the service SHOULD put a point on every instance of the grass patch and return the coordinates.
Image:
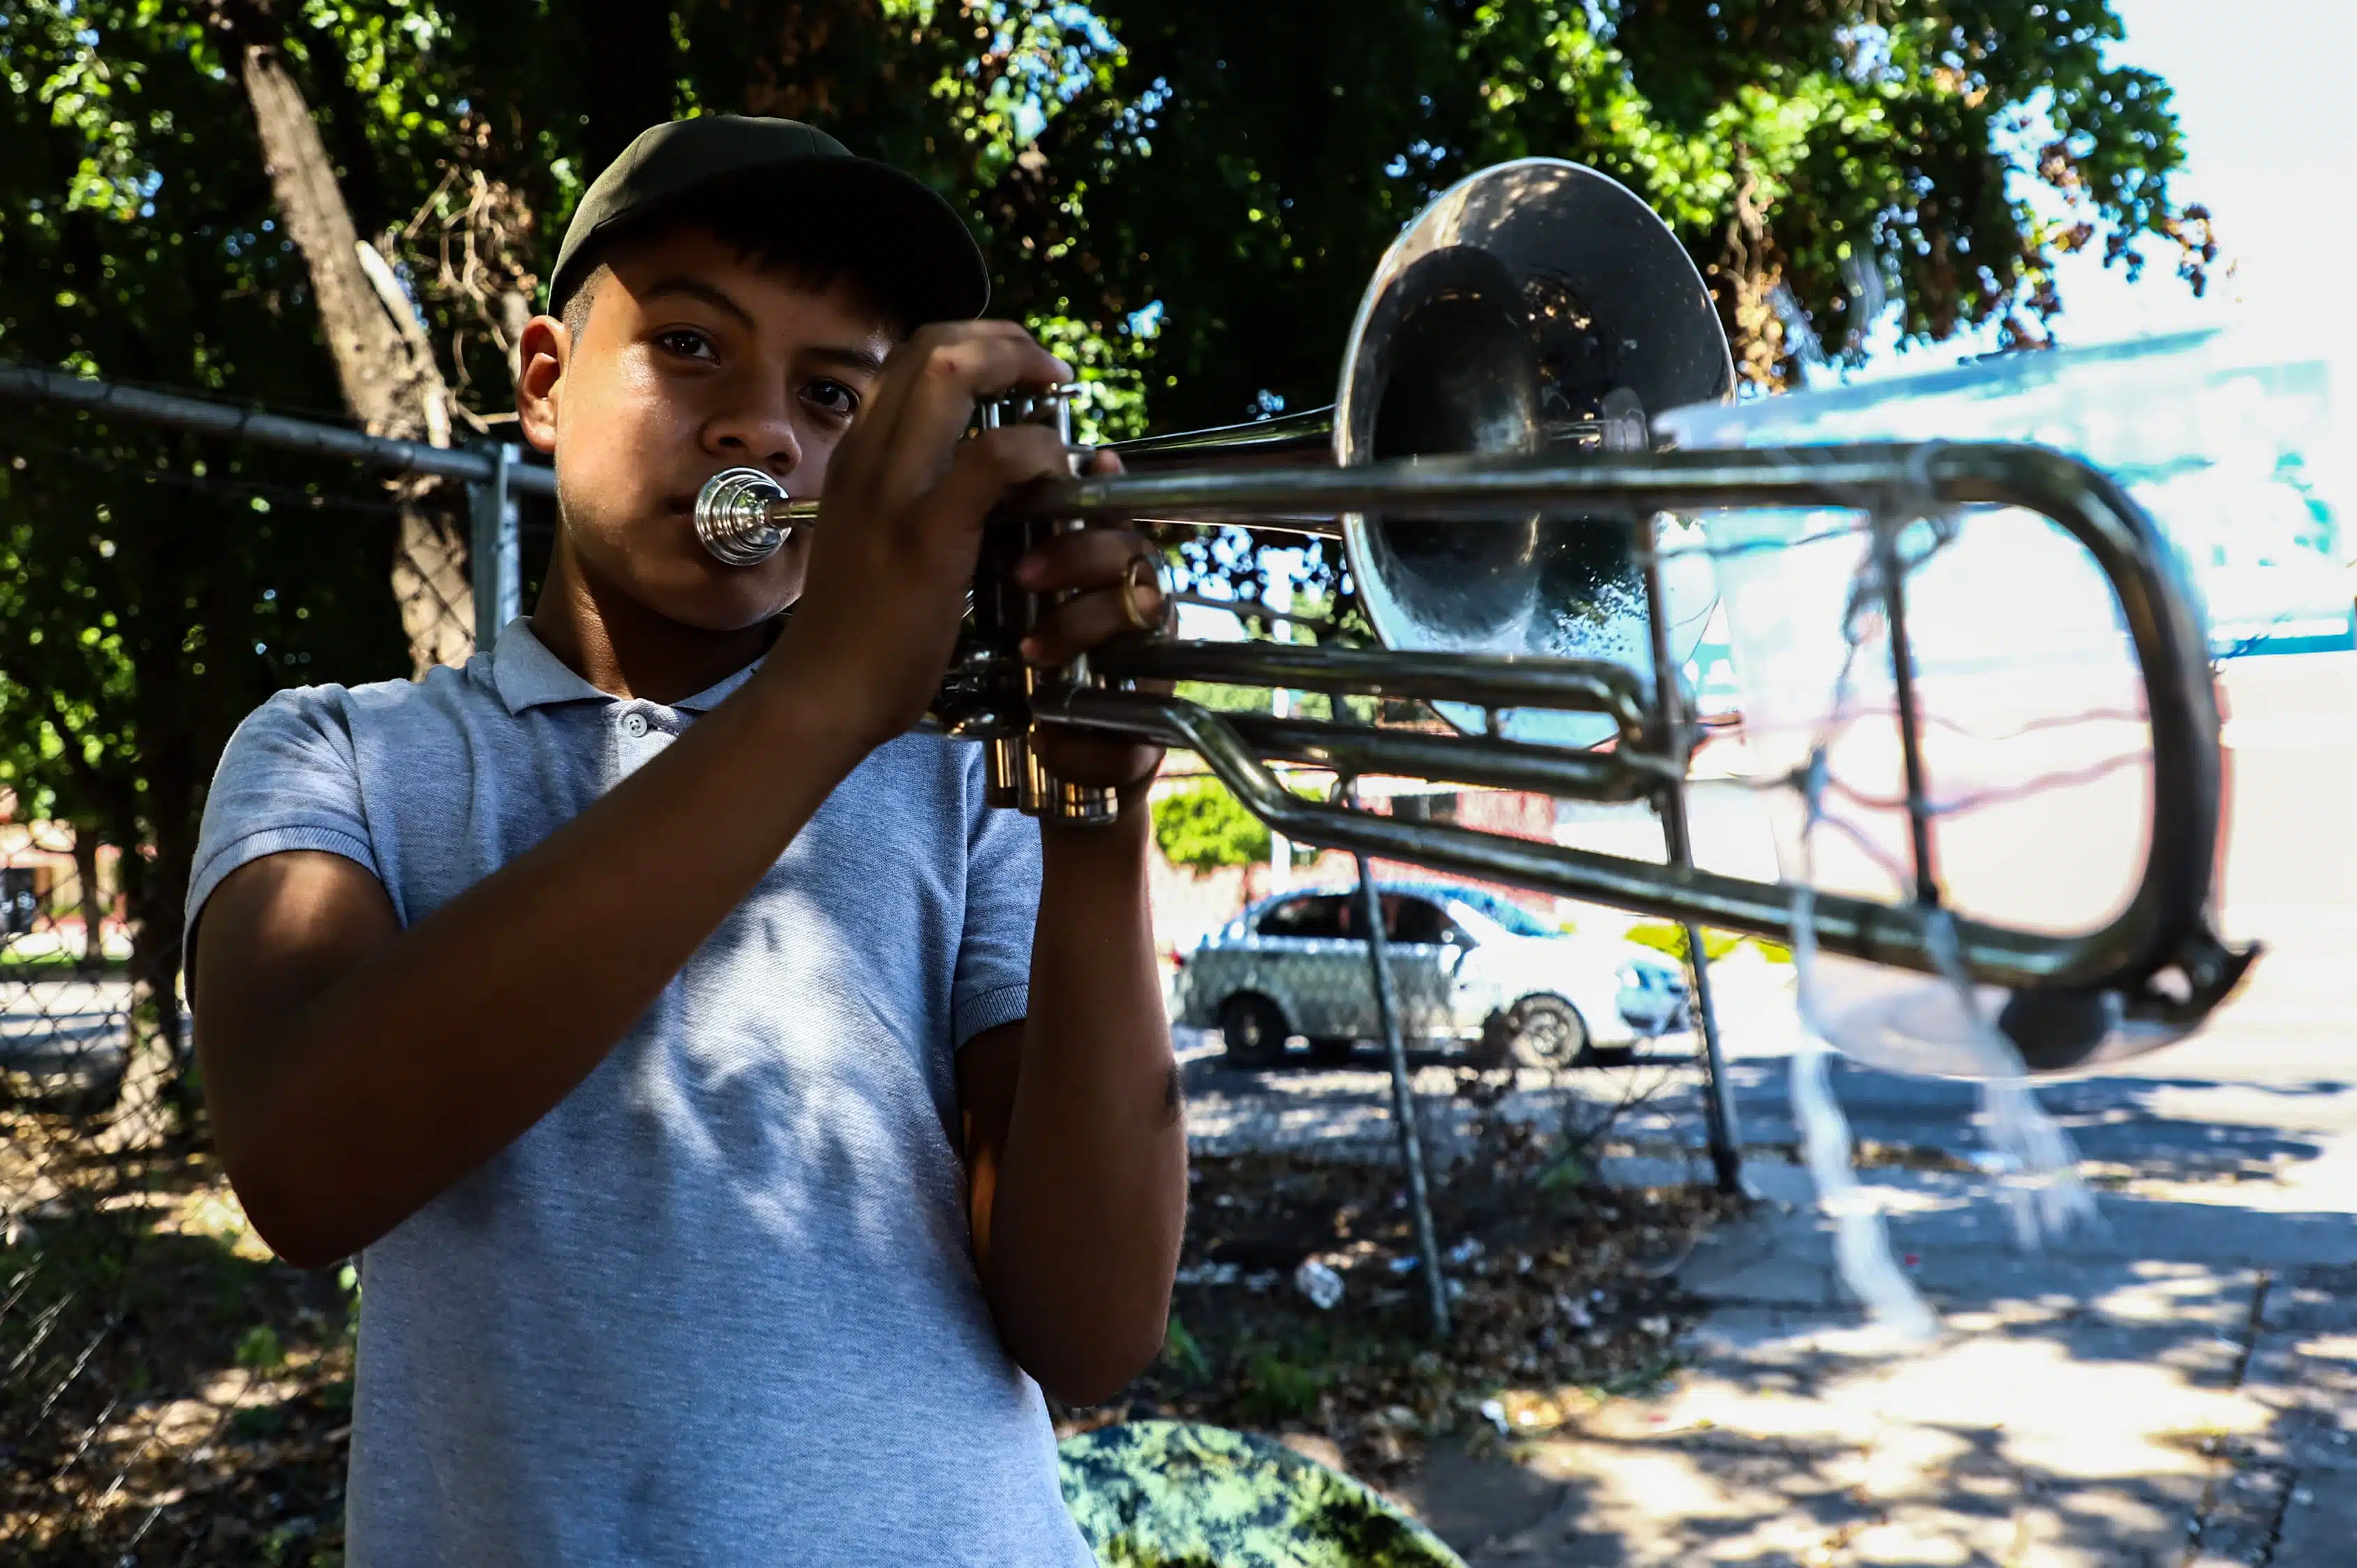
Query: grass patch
(20, 964)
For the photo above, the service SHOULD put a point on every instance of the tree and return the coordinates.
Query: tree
(1184, 197)
(1244, 166)
(154, 588)
(384, 359)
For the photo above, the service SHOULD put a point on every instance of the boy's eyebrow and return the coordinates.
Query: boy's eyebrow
(697, 288)
(867, 359)
(847, 358)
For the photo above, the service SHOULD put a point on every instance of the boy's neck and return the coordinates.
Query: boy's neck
(625, 649)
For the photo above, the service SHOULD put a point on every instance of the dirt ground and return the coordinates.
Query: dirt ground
(1559, 1291)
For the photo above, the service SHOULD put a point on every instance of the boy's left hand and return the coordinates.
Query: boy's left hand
(1091, 565)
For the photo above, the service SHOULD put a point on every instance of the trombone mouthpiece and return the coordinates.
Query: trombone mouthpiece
(732, 516)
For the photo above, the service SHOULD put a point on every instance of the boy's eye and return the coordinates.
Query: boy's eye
(687, 343)
(833, 397)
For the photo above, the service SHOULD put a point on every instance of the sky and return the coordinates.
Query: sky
(2267, 105)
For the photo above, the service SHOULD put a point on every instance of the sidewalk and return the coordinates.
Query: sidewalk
(2177, 1390)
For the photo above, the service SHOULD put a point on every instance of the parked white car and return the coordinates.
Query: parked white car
(1468, 966)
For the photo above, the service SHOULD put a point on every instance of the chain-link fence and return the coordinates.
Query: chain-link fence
(1493, 1015)
(170, 1392)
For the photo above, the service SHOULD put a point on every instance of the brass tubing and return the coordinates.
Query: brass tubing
(1483, 761)
(1579, 685)
(1852, 927)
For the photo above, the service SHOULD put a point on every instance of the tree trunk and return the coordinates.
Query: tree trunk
(156, 1100)
(93, 903)
(394, 386)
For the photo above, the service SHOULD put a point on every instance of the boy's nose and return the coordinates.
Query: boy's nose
(762, 438)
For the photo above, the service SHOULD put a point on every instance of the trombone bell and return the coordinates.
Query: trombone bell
(1537, 307)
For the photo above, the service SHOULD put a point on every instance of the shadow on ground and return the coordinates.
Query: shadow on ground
(2174, 1387)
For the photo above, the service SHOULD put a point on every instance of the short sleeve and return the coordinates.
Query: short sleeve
(1002, 904)
(287, 780)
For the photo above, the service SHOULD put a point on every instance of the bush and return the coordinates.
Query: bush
(1204, 827)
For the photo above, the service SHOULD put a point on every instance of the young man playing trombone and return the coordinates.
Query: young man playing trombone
(738, 1122)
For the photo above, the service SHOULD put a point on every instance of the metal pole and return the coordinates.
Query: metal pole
(1718, 1097)
(1902, 675)
(1419, 1196)
(496, 557)
(267, 429)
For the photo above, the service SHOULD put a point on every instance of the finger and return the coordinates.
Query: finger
(928, 395)
(905, 434)
(1077, 756)
(1073, 625)
(903, 369)
(989, 468)
(1085, 558)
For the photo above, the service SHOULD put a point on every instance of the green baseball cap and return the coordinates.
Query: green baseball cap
(910, 244)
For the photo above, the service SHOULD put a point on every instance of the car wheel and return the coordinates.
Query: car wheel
(1546, 1032)
(1253, 1030)
(1331, 1052)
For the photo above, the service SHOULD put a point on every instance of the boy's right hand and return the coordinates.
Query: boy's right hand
(900, 525)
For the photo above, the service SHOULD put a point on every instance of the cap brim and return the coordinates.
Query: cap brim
(910, 245)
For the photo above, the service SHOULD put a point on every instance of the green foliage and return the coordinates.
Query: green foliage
(1245, 165)
(1564, 1177)
(1183, 1353)
(1204, 827)
(1278, 1389)
(1161, 1494)
(260, 1350)
(1248, 162)
(156, 587)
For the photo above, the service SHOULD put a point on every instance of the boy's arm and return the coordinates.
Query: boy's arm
(1077, 1150)
(355, 1071)
(1076, 1145)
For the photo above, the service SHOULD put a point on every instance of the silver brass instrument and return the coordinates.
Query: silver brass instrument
(1492, 467)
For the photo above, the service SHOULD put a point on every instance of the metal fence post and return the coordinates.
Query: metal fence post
(495, 558)
(1718, 1095)
(1419, 1196)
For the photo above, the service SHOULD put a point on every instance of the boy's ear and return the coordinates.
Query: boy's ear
(540, 358)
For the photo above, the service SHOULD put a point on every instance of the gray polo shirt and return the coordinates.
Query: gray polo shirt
(718, 1306)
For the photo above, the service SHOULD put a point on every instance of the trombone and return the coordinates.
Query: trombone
(1493, 468)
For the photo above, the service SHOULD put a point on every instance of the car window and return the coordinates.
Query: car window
(1414, 921)
(1315, 916)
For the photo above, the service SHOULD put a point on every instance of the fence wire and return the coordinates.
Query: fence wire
(168, 1393)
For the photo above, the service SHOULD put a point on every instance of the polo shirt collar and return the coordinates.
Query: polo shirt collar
(529, 676)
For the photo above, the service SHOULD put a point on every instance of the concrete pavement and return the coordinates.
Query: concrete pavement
(2171, 1390)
